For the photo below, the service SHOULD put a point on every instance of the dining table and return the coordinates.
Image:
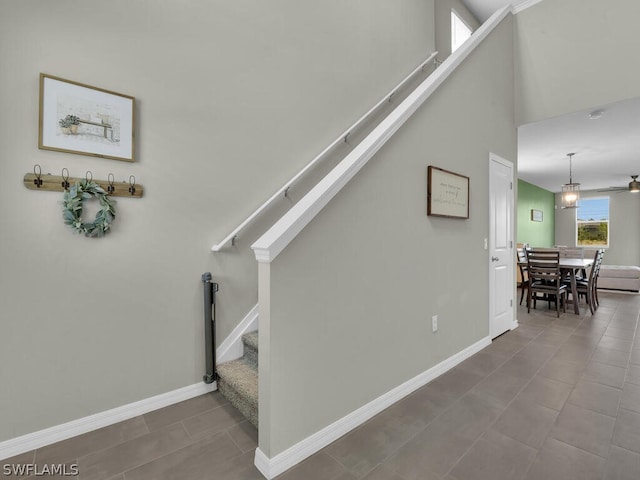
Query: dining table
(572, 266)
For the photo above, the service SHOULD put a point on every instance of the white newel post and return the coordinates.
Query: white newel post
(264, 356)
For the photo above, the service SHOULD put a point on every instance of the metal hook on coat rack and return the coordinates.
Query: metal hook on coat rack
(65, 179)
(110, 179)
(132, 183)
(37, 171)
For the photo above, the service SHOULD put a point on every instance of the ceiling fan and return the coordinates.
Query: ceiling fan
(634, 186)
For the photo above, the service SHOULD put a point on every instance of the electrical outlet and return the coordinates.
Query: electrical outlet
(434, 323)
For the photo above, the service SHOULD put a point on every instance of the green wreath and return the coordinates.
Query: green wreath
(72, 211)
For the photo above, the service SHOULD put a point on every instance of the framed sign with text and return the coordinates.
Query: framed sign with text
(447, 194)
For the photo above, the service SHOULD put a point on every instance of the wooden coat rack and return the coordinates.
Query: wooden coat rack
(60, 183)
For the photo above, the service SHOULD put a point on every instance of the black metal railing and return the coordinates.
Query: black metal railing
(210, 289)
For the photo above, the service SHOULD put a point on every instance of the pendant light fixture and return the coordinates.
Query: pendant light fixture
(634, 184)
(570, 191)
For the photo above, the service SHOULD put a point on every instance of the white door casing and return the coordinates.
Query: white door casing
(501, 246)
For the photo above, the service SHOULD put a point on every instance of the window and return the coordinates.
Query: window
(592, 222)
(460, 31)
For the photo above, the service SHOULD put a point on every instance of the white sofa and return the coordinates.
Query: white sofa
(619, 277)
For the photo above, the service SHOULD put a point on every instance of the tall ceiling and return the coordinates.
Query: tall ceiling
(607, 149)
(483, 9)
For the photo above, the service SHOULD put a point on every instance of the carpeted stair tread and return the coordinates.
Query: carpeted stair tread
(238, 383)
(251, 339)
(238, 379)
(241, 377)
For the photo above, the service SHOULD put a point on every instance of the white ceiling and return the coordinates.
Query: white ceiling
(607, 150)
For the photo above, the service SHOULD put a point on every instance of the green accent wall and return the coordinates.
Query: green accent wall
(536, 234)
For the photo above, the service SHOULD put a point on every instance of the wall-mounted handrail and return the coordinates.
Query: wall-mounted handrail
(267, 247)
(230, 239)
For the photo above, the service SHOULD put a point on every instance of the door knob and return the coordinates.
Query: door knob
(495, 259)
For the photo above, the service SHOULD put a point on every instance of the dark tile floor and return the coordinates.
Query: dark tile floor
(553, 399)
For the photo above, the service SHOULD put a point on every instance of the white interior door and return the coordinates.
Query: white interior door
(501, 252)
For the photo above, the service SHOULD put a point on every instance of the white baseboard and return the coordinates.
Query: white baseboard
(263, 464)
(271, 467)
(31, 441)
(232, 348)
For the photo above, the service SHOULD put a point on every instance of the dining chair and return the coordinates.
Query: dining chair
(588, 287)
(545, 277)
(524, 275)
(595, 285)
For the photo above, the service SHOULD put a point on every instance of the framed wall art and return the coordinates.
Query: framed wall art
(536, 215)
(78, 118)
(447, 194)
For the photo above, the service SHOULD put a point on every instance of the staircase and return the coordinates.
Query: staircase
(238, 379)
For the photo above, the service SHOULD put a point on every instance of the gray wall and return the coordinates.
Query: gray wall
(352, 296)
(233, 98)
(575, 54)
(624, 228)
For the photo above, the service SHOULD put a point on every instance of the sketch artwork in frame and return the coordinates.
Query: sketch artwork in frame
(78, 118)
(536, 215)
(447, 194)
